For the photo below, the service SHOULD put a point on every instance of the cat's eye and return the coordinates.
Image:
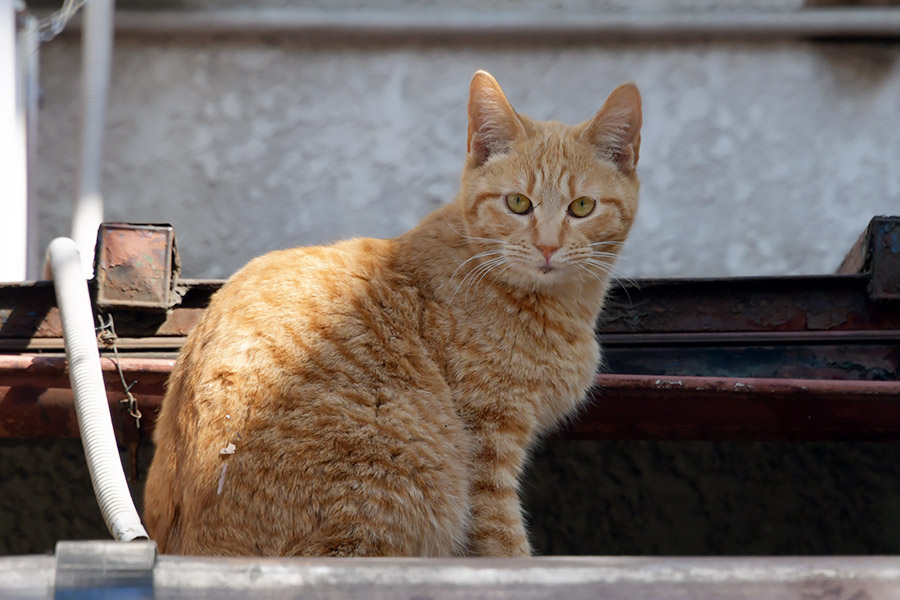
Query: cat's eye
(518, 203)
(582, 207)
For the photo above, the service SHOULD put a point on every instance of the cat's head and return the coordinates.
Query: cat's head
(551, 203)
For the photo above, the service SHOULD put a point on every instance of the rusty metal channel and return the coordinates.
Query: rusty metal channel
(36, 402)
(757, 358)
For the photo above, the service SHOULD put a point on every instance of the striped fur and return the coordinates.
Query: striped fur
(380, 397)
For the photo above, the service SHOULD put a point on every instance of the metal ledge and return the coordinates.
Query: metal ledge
(114, 569)
(511, 26)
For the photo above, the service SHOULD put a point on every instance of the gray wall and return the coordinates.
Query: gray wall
(757, 158)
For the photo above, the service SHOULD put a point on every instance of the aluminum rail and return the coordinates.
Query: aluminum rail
(512, 26)
(106, 569)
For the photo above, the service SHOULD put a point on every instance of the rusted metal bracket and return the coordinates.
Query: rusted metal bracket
(136, 266)
(877, 253)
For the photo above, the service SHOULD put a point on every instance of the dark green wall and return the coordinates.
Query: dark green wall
(583, 497)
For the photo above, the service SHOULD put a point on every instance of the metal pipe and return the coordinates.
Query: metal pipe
(510, 26)
(102, 569)
(29, 61)
(91, 407)
(96, 54)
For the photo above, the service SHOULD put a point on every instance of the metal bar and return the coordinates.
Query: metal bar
(50, 367)
(745, 338)
(616, 578)
(828, 303)
(341, 27)
(810, 361)
(609, 340)
(576, 578)
(53, 344)
(35, 402)
(644, 407)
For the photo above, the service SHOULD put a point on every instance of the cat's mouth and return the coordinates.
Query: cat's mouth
(546, 268)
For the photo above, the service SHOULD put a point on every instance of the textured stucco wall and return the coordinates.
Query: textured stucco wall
(757, 158)
(619, 498)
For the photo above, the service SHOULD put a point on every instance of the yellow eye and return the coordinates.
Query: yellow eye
(518, 203)
(581, 207)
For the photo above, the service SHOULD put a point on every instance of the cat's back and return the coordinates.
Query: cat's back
(309, 276)
(306, 367)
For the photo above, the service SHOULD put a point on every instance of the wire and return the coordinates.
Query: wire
(51, 26)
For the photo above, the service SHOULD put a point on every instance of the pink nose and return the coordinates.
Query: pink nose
(547, 251)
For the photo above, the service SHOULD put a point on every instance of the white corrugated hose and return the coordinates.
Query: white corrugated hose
(91, 405)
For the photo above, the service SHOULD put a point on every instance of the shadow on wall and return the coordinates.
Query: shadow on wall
(860, 66)
(600, 498)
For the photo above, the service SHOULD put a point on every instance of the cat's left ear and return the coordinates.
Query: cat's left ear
(615, 131)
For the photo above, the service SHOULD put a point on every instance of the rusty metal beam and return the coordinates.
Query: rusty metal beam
(641, 407)
(35, 402)
(748, 304)
(877, 254)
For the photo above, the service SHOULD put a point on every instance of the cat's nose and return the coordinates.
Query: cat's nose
(547, 251)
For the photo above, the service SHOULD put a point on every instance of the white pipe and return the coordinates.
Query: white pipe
(91, 404)
(29, 61)
(96, 53)
(592, 27)
(13, 168)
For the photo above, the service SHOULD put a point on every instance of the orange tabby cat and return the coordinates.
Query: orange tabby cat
(380, 397)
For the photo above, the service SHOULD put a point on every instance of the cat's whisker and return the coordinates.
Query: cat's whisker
(479, 255)
(591, 273)
(473, 271)
(484, 273)
(604, 254)
(614, 270)
(610, 271)
(478, 274)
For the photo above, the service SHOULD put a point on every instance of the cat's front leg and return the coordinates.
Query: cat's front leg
(497, 528)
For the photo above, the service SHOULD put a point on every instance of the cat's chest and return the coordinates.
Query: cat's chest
(524, 360)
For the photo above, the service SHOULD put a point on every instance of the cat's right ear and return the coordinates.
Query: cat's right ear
(493, 124)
